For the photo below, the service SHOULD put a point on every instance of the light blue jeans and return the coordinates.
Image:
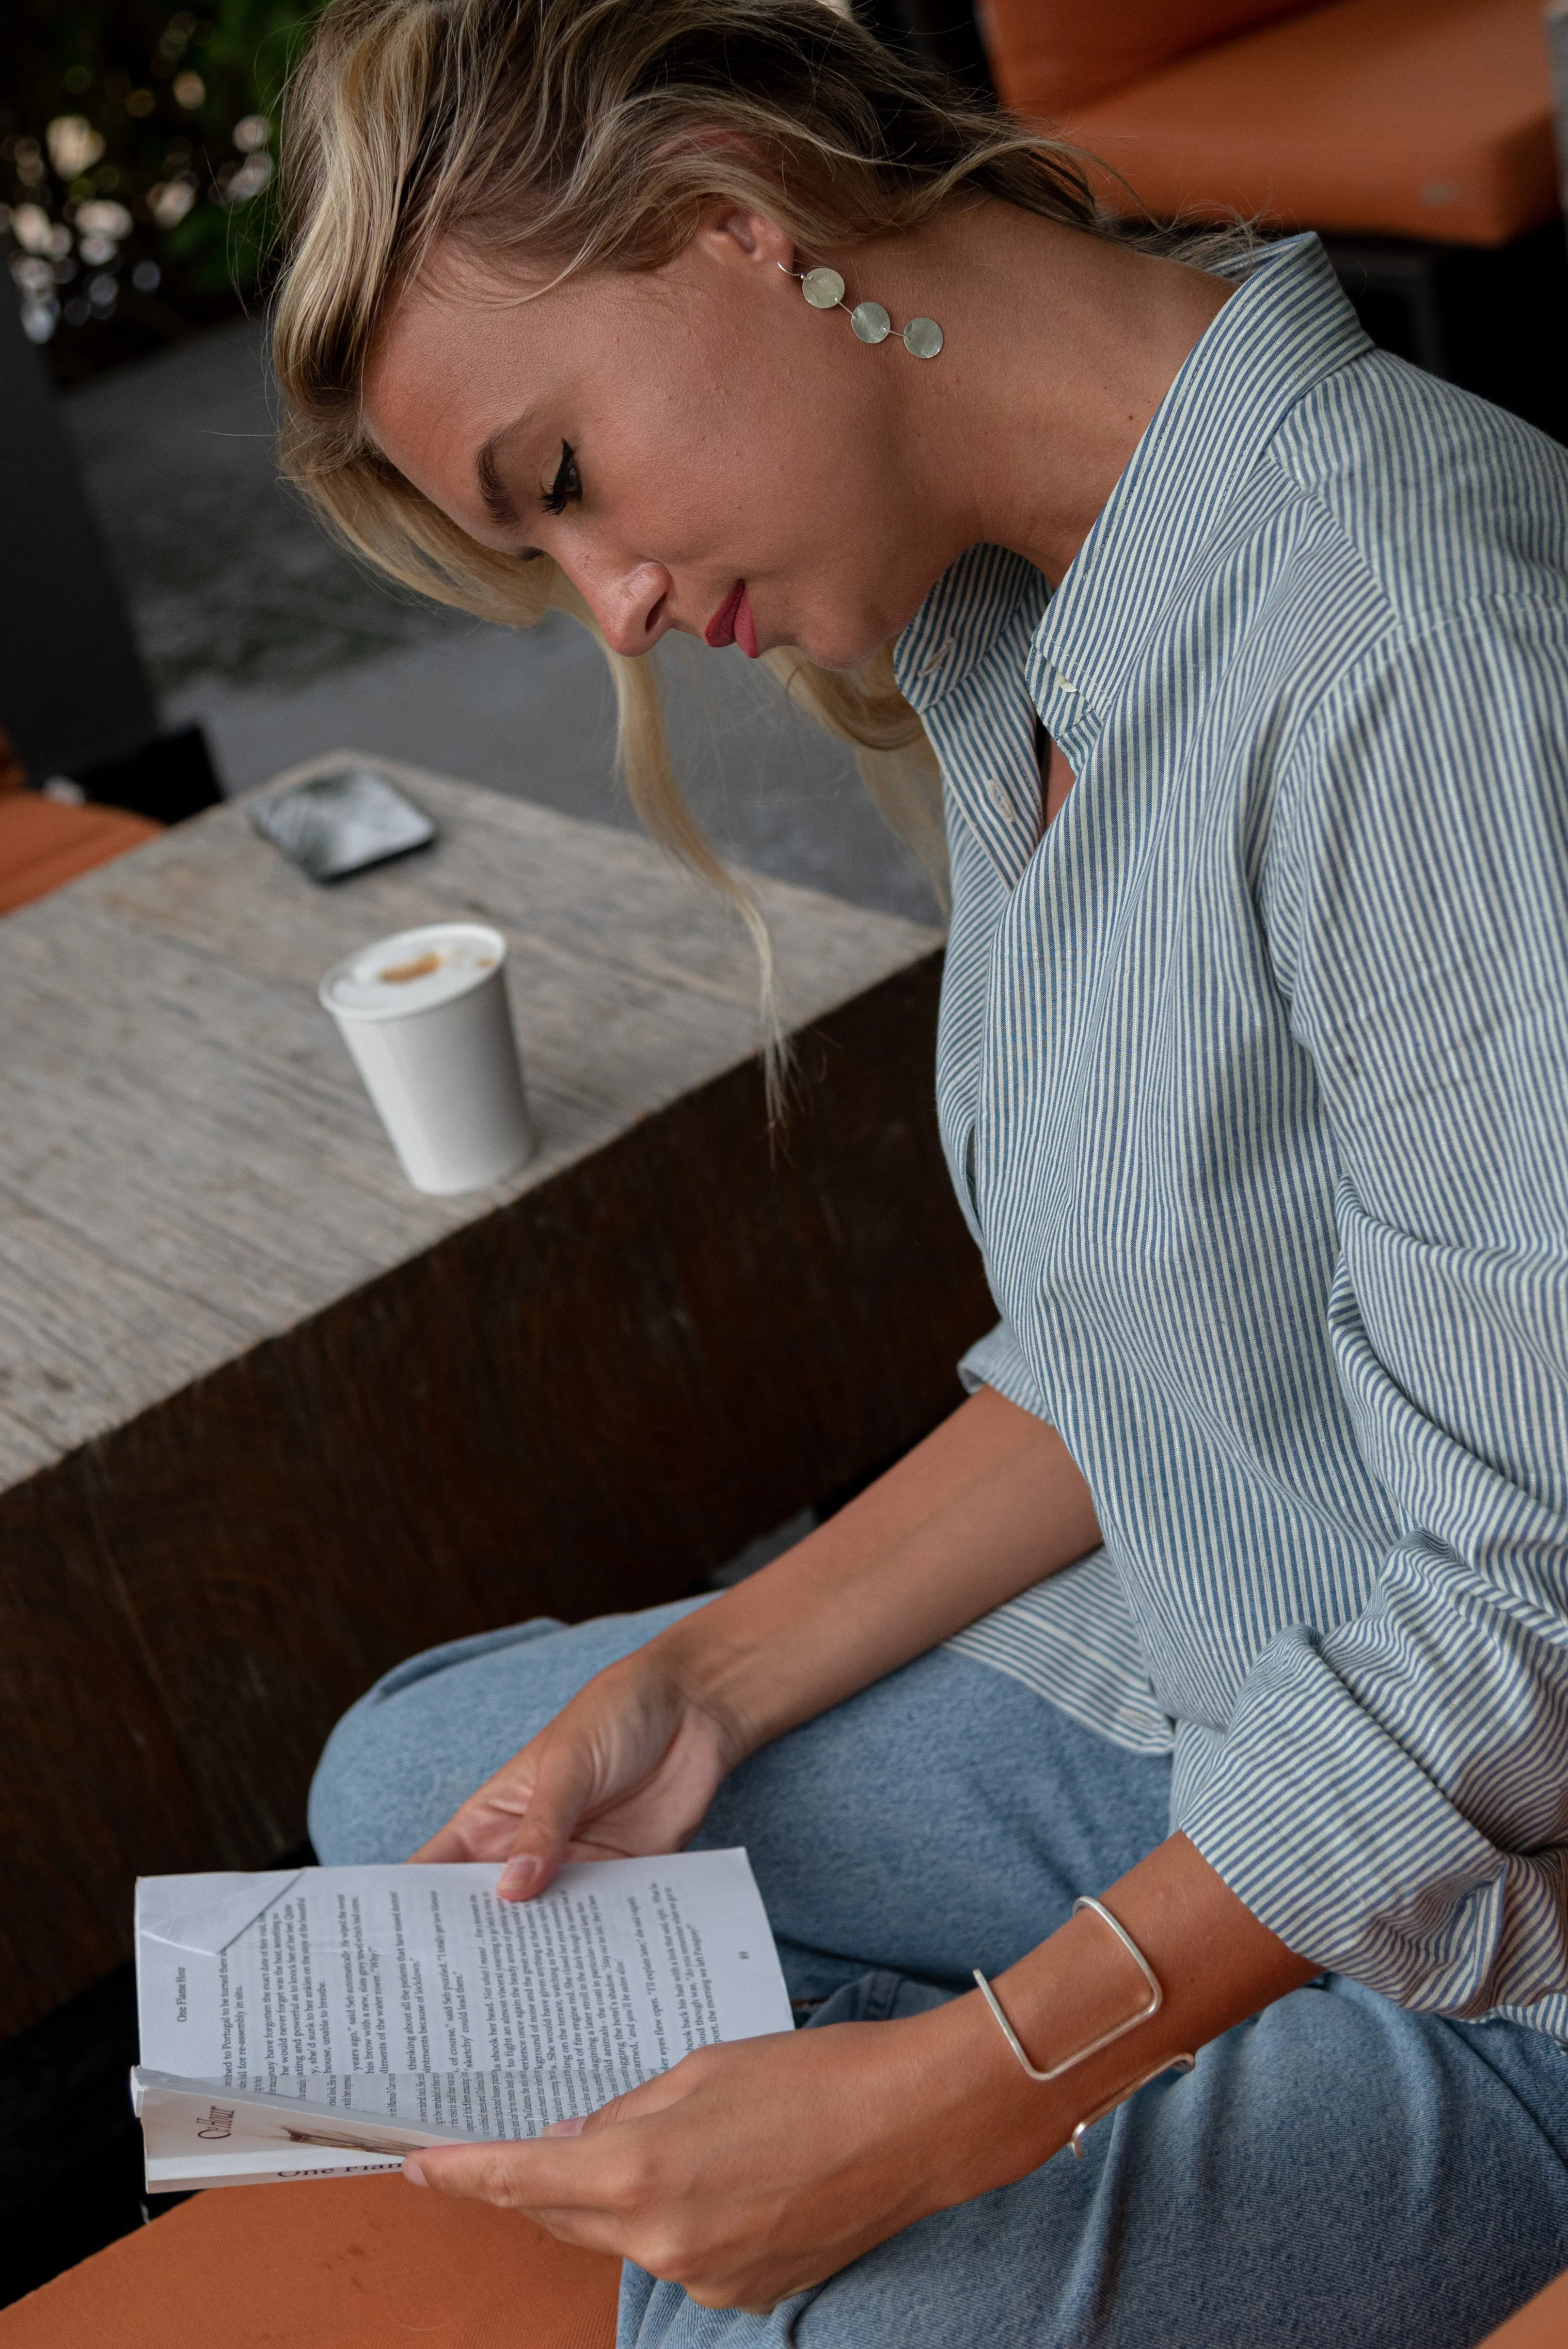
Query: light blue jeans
(1336, 2174)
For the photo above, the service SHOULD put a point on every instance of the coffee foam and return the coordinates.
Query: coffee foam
(414, 971)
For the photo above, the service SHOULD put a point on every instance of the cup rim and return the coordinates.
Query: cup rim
(406, 941)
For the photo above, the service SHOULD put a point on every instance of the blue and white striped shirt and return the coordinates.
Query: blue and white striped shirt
(1252, 1079)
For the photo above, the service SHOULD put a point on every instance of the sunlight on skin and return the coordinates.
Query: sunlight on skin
(750, 2171)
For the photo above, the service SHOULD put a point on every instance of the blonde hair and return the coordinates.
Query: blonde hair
(590, 135)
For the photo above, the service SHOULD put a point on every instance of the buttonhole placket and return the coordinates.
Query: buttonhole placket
(996, 793)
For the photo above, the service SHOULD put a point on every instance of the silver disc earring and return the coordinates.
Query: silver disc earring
(824, 290)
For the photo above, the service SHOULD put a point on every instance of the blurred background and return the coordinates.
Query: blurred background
(137, 169)
(177, 624)
(138, 206)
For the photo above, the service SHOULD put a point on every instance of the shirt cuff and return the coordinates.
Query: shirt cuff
(1338, 1841)
(998, 1361)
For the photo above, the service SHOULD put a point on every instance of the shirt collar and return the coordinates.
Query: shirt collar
(1286, 328)
(960, 621)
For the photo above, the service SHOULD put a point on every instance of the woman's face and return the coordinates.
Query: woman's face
(696, 447)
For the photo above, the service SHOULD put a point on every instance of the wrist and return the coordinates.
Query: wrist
(707, 1664)
(993, 2122)
(1076, 2005)
(983, 2124)
(1084, 1989)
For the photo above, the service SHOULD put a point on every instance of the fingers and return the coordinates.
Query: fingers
(546, 2183)
(532, 2176)
(626, 1756)
(525, 1874)
(483, 1827)
(479, 2173)
(448, 1843)
(655, 2095)
(563, 1779)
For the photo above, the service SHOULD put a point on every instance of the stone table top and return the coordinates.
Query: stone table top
(189, 1166)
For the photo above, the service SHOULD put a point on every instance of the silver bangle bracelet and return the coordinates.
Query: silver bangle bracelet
(1107, 2039)
(1123, 2096)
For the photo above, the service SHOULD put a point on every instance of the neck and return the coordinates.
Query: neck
(1060, 347)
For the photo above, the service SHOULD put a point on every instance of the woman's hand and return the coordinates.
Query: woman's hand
(984, 1506)
(630, 1765)
(754, 2170)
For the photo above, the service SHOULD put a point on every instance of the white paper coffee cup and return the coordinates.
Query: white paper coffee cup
(425, 1018)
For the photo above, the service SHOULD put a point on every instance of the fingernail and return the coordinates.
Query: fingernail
(566, 2128)
(518, 1877)
(412, 2171)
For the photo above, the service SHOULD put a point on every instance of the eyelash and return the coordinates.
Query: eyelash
(566, 488)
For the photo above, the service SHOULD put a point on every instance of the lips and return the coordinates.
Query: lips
(733, 623)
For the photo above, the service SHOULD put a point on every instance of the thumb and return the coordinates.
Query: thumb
(561, 1781)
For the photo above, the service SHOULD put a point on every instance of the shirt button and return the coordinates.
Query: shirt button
(1066, 685)
(999, 800)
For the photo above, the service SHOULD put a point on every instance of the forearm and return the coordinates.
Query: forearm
(986, 1505)
(989, 1504)
(1213, 1960)
(749, 2172)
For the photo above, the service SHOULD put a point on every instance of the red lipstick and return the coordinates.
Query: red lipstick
(733, 623)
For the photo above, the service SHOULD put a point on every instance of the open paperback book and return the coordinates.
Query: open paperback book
(321, 2021)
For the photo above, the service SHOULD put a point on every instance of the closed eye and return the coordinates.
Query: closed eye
(566, 488)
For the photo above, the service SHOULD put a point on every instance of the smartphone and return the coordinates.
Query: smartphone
(339, 823)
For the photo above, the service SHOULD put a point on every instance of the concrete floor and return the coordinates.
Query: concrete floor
(249, 620)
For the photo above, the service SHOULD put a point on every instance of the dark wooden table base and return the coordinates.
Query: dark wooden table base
(583, 1400)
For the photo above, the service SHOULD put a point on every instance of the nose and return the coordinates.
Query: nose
(631, 601)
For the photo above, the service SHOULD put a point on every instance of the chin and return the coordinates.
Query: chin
(854, 633)
(840, 649)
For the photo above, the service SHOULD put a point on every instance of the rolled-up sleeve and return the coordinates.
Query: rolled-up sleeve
(998, 1361)
(1391, 1795)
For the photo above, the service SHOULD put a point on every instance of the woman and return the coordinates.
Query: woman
(1236, 1593)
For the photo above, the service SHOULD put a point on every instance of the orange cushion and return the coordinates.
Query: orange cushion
(342, 2263)
(1543, 2326)
(1403, 118)
(1050, 54)
(42, 845)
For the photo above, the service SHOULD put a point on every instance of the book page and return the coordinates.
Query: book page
(411, 1994)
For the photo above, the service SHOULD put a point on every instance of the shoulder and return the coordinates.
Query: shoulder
(1438, 500)
(1417, 879)
(1427, 615)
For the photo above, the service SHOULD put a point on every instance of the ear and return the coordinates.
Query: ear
(733, 236)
